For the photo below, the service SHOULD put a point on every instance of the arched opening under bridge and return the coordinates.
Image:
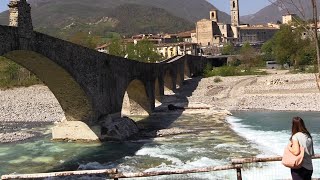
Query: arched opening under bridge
(169, 84)
(135, 100)
(66, 93)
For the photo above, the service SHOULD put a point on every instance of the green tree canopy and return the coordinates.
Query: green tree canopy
(248, 56)
(290, 45)
(267, 51)
(228, 49)
(143, 51)
(116, 48)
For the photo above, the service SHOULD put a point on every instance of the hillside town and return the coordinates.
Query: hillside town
(209, 35)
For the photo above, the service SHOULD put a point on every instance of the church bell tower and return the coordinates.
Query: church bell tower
(214, 15)
(235, 17)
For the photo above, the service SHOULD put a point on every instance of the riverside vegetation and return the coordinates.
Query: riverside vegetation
(290, 46)
(14, 75)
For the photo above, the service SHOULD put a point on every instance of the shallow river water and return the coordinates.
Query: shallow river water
(214, 142)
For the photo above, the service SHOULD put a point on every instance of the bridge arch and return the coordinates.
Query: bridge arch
(180, 77)
(169, 81)
(187, 72)
(71, 96)
(136, 100)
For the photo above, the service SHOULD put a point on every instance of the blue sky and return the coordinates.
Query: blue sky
(3, 5)
(246, 6)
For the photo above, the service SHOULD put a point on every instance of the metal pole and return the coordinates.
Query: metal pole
(239, 176)
(315, 19)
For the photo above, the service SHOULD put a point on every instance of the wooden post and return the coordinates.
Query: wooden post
(239, 176)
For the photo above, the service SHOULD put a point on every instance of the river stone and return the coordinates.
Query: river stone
(118, 128)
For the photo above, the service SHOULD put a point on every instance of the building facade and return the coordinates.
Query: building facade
(256, 34)
(211, 32)
(288, 18)
(177, 49)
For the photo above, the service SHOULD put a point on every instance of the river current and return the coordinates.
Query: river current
(214, 142)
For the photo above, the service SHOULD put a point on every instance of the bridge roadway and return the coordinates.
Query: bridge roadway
(90, 85)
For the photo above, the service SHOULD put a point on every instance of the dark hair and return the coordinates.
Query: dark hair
(298, 126)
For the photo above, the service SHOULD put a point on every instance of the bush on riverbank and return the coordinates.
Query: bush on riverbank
(231, 71)
(14, 75)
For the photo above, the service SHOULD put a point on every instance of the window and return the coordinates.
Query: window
(234, 4)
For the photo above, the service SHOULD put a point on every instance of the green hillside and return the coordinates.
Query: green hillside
(63, 18)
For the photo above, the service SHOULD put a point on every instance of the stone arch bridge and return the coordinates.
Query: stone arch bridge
(90, 85)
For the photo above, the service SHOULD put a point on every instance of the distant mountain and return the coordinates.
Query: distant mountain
(273, 13)
(61, 17)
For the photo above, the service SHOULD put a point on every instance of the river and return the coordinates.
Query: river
(214, 142)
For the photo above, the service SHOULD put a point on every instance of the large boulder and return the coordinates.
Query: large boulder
(119, 128)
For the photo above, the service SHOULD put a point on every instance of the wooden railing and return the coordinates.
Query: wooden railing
(237, 164)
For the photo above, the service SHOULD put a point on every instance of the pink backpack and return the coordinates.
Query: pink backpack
(290, 160)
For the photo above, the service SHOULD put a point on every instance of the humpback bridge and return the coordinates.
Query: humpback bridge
(90, 85)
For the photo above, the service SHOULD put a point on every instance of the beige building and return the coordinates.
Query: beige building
(288, 18)
(210, 32)
(174, 49)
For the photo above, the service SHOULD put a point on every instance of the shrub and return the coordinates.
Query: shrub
(13, 75)
(217, 80)
(225, 71)
(207, 72)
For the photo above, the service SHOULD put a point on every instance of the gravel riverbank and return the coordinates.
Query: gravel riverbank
(280, 92)
(24, 112)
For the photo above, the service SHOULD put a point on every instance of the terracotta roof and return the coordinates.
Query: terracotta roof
(103, 46)
(175, 44)
(258, 28)
(186, 34)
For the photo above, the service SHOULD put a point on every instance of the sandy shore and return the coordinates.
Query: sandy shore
(25, 111)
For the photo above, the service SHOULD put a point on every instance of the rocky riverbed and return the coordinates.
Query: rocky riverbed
(24, 112)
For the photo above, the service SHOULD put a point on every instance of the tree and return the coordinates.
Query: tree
(143, 51)
(85, 39)
(267, 50)
(228, 49)
(289, 46)
(248, 56)
(299, 7)
(284, 45)
(116, 48)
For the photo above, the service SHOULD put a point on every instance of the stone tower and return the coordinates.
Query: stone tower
(235, 17)
(20, 16)
(214, 15)
(13, 9)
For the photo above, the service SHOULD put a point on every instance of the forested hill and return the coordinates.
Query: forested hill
(63, 17)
